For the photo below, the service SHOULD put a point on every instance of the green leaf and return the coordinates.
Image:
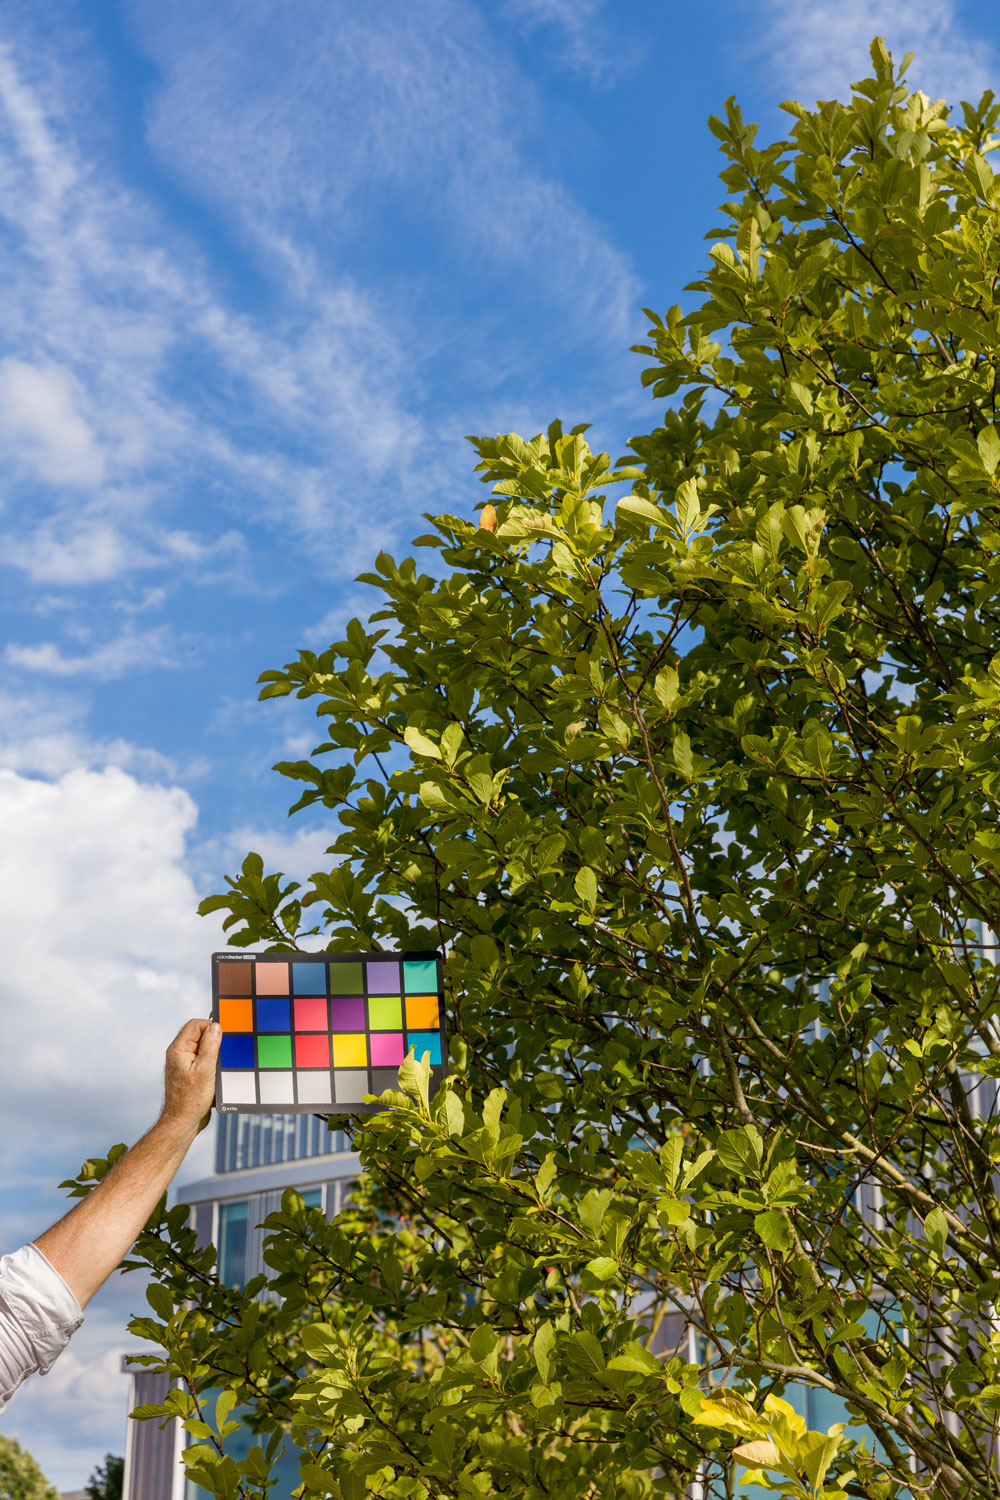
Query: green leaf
(988, 443)
(773, 1229)
(603, 1267)
(936, 1231)
(741, 1151)
(541, 1347)
(420, 744)
(585, 883)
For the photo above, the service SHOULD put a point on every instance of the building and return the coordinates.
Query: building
(257, 1157)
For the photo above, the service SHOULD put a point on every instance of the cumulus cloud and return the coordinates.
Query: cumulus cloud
(105, 956)
(132, 651)
(40, 416)
(818, 49)
(87, 1389)
(46, 734)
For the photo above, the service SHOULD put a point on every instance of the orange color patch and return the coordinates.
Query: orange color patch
(421, 1011)
(236, 1015)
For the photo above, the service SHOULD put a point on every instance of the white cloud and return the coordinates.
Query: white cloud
(819, 49)
(87, 1389)
(45, 734)
(296, 854)
(73, 551)
(105, 957)
(419, 117)
(132, 651)
(41, 418)
(584, 43)
(128, 367)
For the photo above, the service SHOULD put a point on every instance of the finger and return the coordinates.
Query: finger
(209, 1041)
(189, 1036)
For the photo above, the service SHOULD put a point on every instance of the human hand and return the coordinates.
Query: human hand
(189, 1077)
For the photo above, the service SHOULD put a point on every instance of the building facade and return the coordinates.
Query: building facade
(257, 1157)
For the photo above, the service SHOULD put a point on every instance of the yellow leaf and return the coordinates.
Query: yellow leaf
(761, 1454)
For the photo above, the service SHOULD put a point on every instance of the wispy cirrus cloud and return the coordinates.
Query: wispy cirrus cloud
(583, 40)
(818, 50)
(130, 377)
(416, 121)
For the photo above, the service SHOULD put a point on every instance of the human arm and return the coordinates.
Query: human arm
(88, 1243)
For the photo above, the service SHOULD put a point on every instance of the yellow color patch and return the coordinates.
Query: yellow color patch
(349, 1051)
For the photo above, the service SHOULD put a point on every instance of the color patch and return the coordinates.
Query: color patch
(318, 1033)
(274, 1052)
(387, 1048)
(238, 1088)
(385, 1013)
(421, 1011)
(236, 1015)
(310, 1013)
(384, 1078)
(272, 979)
(347, 1014)
(350, 1086)
(273, 1014)
(236, 1052)
(383, 978)
(236, 979)
(425, 1041)
(313, 1051)
(314, 1088)
(308, 979)
(420, 976)
(276, 1088)
(347, 978)
(349, 1051)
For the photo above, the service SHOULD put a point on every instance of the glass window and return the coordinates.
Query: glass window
(312, 1197)
(234, 1221)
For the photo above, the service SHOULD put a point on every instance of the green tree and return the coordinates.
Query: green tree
(20, 1476)
(699, 794)
(106, 1481)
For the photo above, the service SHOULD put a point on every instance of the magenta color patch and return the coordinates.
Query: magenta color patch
(387, 1049)
(310, 1013)
(347, 1014)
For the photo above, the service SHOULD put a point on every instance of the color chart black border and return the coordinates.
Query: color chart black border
(230, 955)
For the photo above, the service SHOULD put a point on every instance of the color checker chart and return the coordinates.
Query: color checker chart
(317, 1032)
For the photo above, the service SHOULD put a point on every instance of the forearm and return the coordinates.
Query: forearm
(90, 1241)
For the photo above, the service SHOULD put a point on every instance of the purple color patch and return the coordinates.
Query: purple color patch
(387, 1049)
(383, 978)
(347, 1014)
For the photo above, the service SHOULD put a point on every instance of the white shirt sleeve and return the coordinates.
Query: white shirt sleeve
(38, 1313)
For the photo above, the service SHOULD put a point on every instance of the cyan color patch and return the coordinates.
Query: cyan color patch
(425, 1041)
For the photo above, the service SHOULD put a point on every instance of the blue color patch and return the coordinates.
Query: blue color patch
(308, 979)
(236, 1051)
(272, 1014)
(425, 1041)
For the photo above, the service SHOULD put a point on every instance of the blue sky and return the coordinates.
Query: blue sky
(262, 266)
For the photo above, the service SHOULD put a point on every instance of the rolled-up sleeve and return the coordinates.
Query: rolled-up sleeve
(38, 1313)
